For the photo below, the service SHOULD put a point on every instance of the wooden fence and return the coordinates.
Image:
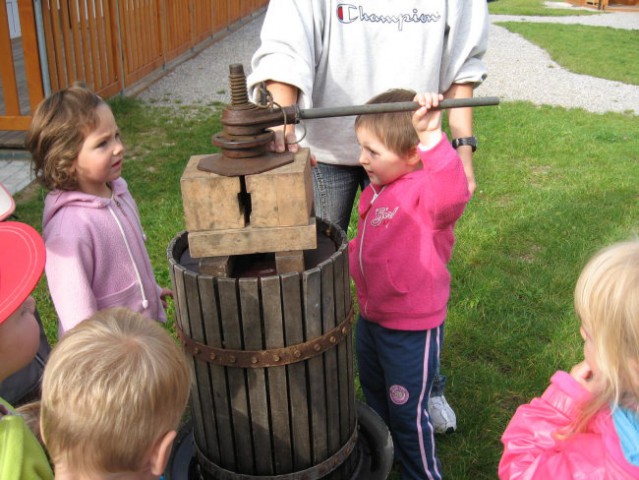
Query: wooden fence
(108, 44)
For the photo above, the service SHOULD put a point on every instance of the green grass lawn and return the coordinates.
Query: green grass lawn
(602, 52)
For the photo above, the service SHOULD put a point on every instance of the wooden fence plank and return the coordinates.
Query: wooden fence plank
(58, 60)
(102, 46)
(7, 68)
(220, 15)
(149, 16)
(31, 54)
(51, 43)
(76, 15)
(9, 122)
(66, 40)
(84, 30)
(94, 43)
(129, 38)
(113, 47)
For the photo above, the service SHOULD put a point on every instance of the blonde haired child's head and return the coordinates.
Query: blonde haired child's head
(607, 303)
(58, 129)
(114, 388)
(394, 129)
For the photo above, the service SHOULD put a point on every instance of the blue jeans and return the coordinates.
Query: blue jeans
(335, 187)
(396, 370)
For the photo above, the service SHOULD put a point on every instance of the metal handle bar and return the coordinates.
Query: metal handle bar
(324, 112)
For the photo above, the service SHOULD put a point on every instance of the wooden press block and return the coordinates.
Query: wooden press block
(282, 196)
(210, 201)
(253, 240)
(216, 266)
(290, 261)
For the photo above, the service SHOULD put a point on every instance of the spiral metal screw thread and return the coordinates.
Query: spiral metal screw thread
(237, 79)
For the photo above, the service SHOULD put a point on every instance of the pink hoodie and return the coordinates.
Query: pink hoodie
(532, 451)
(96, 256)
(404, 242)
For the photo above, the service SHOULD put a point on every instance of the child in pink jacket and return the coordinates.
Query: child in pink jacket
(398, 261)
(586, 424)
(96, 252)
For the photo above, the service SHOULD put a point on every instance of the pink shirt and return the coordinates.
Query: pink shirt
(404, 242)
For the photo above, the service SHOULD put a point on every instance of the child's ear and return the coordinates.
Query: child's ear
(161, 452)
(413, 158)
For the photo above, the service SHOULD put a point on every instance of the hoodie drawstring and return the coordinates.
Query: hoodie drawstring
(145, 302)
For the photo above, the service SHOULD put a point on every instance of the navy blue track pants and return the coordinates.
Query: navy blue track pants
(396, 371)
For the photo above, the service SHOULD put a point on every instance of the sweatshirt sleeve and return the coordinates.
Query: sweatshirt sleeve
(291, 44)
(466, 44)
(531, 449)
(69, 270)
(445, 193)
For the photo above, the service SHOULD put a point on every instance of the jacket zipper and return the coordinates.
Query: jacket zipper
(361, 242)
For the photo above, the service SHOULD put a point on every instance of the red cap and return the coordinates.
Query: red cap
(22, 255)
(7, 205)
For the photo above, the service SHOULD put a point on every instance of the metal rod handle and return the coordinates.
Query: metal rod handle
(324, 112)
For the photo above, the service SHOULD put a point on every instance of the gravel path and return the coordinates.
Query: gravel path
(517, 69)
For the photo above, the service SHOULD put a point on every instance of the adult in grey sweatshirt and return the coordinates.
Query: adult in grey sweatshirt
(321, 53)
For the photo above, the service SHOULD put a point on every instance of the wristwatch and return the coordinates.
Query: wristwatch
(458, 142)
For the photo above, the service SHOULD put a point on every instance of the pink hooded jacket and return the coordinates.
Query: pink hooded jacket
(96, 256)
(404, 242)
(531, 450)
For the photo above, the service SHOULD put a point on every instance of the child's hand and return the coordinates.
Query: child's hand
(166, 292)
(584, 375)
(427, 122)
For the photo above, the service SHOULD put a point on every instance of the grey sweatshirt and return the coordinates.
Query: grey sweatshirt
(340, 54)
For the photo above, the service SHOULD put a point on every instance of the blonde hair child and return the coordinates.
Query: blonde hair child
(586, 424)
(113, 394)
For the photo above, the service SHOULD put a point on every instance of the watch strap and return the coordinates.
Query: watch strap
(470, 141)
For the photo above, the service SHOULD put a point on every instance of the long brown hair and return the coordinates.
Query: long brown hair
(56, 134)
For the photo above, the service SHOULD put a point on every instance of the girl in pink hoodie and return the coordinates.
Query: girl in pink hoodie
(586, 424)
(96, 253)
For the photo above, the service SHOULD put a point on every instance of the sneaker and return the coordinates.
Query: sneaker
(441, 415)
